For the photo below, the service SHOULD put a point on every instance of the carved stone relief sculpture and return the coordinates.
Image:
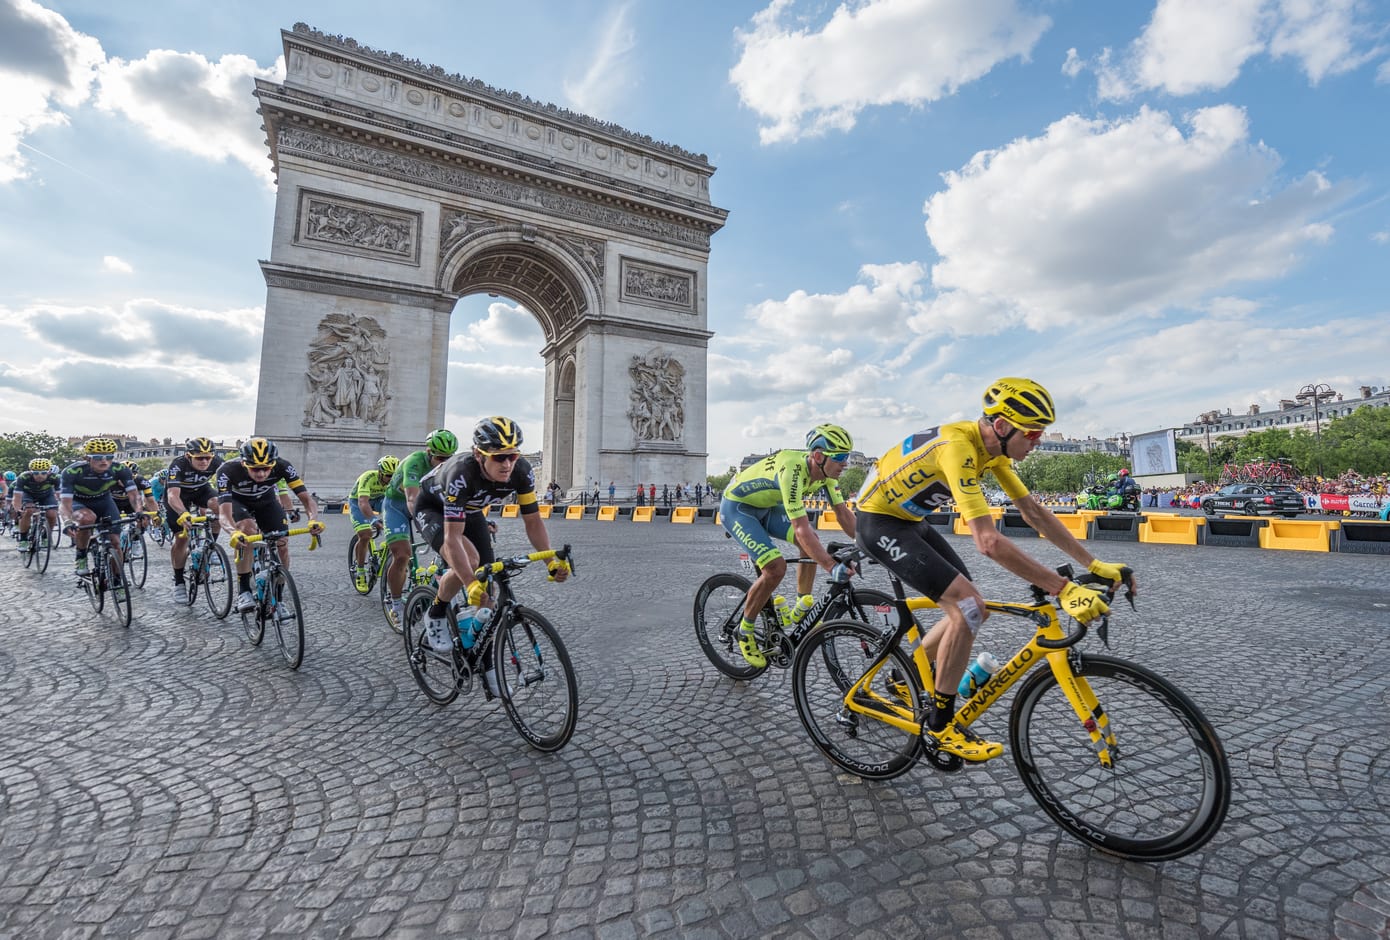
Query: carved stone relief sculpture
(359, 229)
(662, 287)
(657, 398)
(348, 373)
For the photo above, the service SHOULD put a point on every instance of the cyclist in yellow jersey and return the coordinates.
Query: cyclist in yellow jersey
(765, 501)
(944, 464)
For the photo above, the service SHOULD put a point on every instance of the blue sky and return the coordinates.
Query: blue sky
(1154, 208)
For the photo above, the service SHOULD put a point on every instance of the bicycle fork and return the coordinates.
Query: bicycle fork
(1066, 667)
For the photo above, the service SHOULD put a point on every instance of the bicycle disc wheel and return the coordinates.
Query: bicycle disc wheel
(216, 575)
(288, 617)
(434, 672)
(536, 679)
(718, 610)
(828, 662)
(137, 565)
(1169, 787)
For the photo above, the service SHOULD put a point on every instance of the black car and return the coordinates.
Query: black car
(1251, 499)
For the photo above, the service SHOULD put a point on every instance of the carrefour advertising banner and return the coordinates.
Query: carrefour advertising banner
(1154, 453)
(1341, 502)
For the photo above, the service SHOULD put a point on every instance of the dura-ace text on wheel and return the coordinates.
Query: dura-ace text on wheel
(536, 679)
(1169, 785)
(828, 662)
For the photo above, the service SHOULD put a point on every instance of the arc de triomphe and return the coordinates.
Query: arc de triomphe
(402, 188)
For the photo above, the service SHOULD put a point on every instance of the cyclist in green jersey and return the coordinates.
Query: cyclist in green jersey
(766, 501)
(398, 506)
(363, 504)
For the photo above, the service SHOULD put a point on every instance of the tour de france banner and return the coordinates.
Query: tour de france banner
(1342, 502)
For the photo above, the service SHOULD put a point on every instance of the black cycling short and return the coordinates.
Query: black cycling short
(914, 551)
(268, 513)
(194, 498)
(429, 520)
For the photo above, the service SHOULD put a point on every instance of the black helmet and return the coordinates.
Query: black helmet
(259, 452)
(495, 434)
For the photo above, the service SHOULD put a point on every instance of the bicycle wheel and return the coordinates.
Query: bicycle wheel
(288, 617)
(352, 565)
(536, 679)
(1169, 786)
(137, 565)
(42, 536)
(94, 582)
(435, 673)
(253, 623)
(215, 573)
(31, 548)
(120, 590)
(718, 610)
(828, 662)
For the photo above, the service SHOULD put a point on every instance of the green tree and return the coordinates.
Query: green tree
(852, 479)
(1065, 473)
(19, 447)
(1359, 441)
(717, 481)
(149, 466)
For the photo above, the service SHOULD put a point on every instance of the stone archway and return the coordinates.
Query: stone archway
(401, 188)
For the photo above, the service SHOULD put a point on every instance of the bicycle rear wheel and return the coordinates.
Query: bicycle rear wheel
(718, 610)
(435, 672)
(288, 617)
(1169, 785)
(535, 679)
(136, 563)
(216, 575)
(828, 662)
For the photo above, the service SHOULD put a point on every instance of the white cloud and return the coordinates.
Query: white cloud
(804, 82)
(1099, 218)
(1190, 46)
(1382, 237)
(143, 329)
(116, 265)
(1073, 65)
(44, 65)
(609, 74)
(190, 103)
(1383, 73)
(506, 325)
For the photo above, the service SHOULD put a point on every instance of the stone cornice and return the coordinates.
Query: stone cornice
(317, 281)
(440, 143)
(347, 46)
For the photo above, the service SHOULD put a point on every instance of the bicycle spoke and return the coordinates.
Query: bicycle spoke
(535, 679)
(434, 672)
(718, 612)
(288, 617)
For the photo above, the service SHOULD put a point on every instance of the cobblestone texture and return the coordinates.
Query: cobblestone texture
(171, 781)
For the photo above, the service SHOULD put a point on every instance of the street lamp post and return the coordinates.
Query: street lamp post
(1316, 393)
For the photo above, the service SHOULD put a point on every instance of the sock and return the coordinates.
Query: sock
(244, 581)
(178, 576)
(943, 709)
(746, 626)
(439, 609)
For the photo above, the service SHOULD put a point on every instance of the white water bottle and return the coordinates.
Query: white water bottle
(984, 666)
(471, 622)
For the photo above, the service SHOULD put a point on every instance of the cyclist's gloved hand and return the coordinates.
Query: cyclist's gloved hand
(1082, 602)
(841, 573)
(185, 520)
(1102, 569)
(559, 570)
(377, 526)
(315, 526)
(476, 592)
(238, 539)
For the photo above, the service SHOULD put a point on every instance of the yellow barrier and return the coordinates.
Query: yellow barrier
(828, 520)
(643, 513)
(716, 517)
(607, 513)
(546, 510)
(1074, 523)
(959, 526)
(1170, 529)
(1302, 535)
(574, 512)
(511, 511)
(346, 511)
(684, 514)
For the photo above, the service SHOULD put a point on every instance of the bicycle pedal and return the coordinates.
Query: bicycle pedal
(945, 763)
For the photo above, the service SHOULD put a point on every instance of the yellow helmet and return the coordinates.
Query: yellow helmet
(1022, 402)
(41, 465)
(99, 446)
(259, 452)
(387, 465)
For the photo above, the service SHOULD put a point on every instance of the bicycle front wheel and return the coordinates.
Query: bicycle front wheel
(94, 583)
(829, 661)
(1169, 784)
(434, 671)
(718, 611)
(120, 589)
(535, 679)
(288, 617)
(136, 564)
(216, 575)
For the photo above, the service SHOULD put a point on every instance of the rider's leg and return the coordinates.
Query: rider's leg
(806, 577)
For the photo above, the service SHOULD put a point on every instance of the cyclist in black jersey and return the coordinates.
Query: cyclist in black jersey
(36, 489)
(191, 484)
(85, 492)
(449, 513)
(247, 502)
(142, 500)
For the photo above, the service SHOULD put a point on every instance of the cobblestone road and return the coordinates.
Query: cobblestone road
(171, 780)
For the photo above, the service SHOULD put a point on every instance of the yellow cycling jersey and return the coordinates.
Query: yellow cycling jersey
(934, 467)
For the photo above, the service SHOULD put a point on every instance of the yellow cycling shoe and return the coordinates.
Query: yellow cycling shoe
(362, 584)
(748, 646)
(959, 740)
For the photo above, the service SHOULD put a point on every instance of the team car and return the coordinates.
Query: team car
(1252, 499)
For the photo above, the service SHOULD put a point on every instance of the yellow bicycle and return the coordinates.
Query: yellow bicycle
(1117, 755)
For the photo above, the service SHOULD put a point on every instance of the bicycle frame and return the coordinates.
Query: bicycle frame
(1050, 642)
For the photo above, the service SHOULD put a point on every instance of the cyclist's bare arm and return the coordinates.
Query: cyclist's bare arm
(1042, 519)
(807, 540)
(1003, 551)
(539, 538)
(412, 493)
(364, 505)
(845, 516)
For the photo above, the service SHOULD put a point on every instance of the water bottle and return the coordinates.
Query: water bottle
(260, 584)
(779, 604)
(803, 603)
(984, 666)
(471, 622)
(196, 558)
